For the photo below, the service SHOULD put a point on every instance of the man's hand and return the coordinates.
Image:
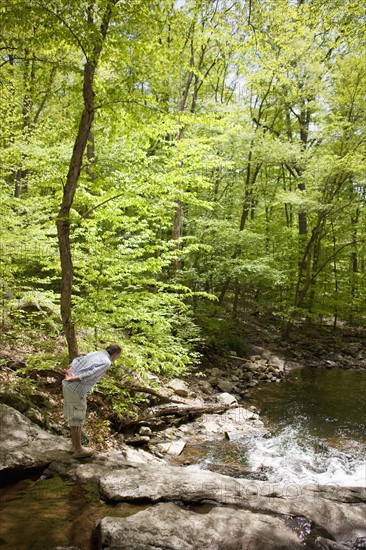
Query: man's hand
(69, 375)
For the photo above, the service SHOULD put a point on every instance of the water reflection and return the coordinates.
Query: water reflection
(330, 404)
(48, 513)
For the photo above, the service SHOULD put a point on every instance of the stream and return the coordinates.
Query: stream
(42, 514)
(317, 420)
(317, 425)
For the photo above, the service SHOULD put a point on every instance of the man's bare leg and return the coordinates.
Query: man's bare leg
(76, 438)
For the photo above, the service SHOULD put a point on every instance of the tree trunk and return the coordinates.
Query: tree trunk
(247, 205)
(150, 415)
(28, 78)
(63, 219)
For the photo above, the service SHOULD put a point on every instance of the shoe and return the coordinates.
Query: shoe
(84, 453)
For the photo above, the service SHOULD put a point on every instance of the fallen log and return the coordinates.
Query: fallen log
(143, 389)
(176, 410)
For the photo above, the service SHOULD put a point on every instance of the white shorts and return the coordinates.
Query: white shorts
(74, 408)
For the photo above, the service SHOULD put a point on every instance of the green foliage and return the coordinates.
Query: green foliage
(244, 123)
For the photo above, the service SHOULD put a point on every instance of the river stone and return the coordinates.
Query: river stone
(237, 420)
(227, 399)
(173, 448)
(225, 385)
(25, 445)
(214, 375)
(169, 526)
(340, 512)
(145, 430)
(179, 387)
(277, 362)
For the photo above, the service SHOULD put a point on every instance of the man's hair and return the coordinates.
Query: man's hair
(113, 349)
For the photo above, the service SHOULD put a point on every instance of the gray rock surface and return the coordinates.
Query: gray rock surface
(167, 526)
(25, 445)
(227, 399)
(179, 387)
(236, 420)
(339, 512)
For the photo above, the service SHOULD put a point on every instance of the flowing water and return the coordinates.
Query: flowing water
(317, 420)
(47, 513)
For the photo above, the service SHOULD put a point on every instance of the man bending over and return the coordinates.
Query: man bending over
(82, 375)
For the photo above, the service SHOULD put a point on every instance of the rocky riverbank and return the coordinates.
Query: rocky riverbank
(179, 506)
(185, 507)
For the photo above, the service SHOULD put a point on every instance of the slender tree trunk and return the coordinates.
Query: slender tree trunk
(63, 219)
(90, 152)
(28, 79)
(250, 179)
(355, 264)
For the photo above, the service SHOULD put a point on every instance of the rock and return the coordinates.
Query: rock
(205, 386)
(35, 416)
(227, 398)
(170, 526)
(261, 364)
(179, 387)
(339, 512)
(36, 301)
(225, 386)
(25, 445)
(236, 420)
(12, 398)
(277, 362)
(100, 465)
(325, 544)
(215, 372)
(145, 430)
(173, 448)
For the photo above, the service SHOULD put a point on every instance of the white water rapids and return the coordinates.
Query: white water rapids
(292, 457)
(318, 422)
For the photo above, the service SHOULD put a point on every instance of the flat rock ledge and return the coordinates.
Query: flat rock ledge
(168, 526)
(245, 515)
(24, 446)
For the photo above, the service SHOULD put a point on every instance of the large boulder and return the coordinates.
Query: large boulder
(227, 399)
(169, 526)
(24, 445)
(338, 512)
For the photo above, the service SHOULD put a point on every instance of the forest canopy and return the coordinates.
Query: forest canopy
(171, 168)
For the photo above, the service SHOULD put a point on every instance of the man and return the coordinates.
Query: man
(83, 373)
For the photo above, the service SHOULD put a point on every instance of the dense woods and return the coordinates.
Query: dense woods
(171, 168)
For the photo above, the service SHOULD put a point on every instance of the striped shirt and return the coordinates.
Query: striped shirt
(90, 368)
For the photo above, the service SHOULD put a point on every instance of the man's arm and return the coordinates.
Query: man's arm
(70, 376)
